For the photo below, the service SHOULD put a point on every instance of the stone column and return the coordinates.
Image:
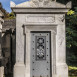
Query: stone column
(61, 66)
(19, 68)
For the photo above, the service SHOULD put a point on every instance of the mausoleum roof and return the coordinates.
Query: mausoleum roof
(9, 24)
(42, 4)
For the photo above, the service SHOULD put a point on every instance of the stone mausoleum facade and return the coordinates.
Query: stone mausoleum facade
(33, 44)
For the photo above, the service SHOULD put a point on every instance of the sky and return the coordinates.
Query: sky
(6, 4)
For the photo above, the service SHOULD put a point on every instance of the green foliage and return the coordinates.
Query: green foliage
(71, 39)
(71, 30)
(4, 11)
(11, 15)
(72, 71)
(70, 12)
(6, 14)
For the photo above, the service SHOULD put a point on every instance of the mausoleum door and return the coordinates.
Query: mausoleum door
(40, 54)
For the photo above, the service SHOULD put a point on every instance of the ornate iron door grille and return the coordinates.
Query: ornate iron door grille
(40, 47)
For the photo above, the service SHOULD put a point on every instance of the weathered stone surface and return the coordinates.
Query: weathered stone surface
(41, 3)
(1, 71)
(1, 14)
(8, 24)
(40, 15)
(1, 68)
(1, 21)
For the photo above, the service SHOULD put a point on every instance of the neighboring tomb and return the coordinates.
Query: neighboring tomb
(40, 39)
(8, 46)
(1, 57)
(1, 21)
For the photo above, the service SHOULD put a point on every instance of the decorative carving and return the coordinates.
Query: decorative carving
(12, 4)
(40, 2)
(61, 18)
(40, 47)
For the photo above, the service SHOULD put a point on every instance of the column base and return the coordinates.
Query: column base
(62, 70)
(19, 70)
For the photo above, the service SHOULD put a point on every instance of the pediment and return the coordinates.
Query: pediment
(41, 3)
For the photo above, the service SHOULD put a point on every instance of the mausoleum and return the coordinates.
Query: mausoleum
(40, 39)
(34, 44)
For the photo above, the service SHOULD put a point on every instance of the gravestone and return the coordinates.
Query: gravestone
(40, 39)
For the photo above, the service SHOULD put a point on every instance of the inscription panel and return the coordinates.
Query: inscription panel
(40, 19)
(40, 54)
